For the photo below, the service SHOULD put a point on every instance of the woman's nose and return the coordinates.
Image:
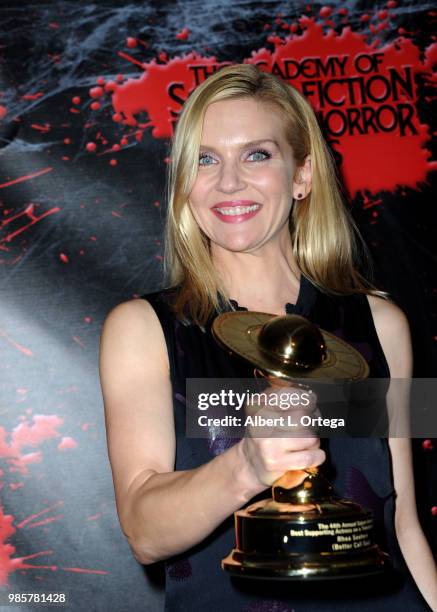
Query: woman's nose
(230, 177)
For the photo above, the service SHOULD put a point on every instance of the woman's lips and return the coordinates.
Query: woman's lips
(236, 213)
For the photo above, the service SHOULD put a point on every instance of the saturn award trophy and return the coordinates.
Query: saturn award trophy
(304, 531)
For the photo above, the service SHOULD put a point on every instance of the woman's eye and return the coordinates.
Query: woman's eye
(205, 159)
(259, 155)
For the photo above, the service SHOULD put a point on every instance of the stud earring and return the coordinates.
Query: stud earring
(299, 196)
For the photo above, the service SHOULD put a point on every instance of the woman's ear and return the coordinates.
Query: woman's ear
(302, 180)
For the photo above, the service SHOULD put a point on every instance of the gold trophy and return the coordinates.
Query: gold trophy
(304, 531)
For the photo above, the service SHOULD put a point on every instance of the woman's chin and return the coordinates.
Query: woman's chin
(238, 244)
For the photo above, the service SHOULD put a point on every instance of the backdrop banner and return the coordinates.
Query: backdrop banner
(89, 95)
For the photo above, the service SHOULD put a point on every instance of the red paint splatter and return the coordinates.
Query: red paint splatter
(7, 563)
(67, 443)
(427, 445)
(367, 203)
(96, 92)
(31, 517)
(3, 112)
(42, 428)
(95, 106)
(41, 128)
(76, 100)
(30, 458)
(131, 42)
(81, 570)
(382, 14)
(113, 162)
(15, 485)
(183, 34)
(325, 11)
(26, 351)
(34, 96)
(27, 213)
(26, 177)
(10, 564)
(91, 147)
(63, 257)
(129, 58)
(45, 521)
(110, 86)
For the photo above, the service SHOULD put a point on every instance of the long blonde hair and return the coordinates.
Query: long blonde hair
(323, 234)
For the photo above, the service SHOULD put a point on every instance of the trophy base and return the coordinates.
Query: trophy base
(317, 541)
(306, 567)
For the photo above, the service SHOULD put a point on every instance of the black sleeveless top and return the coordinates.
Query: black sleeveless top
(359, 469)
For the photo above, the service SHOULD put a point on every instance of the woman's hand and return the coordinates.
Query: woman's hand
(271, 450)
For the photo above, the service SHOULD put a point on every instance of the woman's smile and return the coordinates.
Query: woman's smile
(236, 211)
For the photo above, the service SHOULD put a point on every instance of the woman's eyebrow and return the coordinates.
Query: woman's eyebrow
(244, 145)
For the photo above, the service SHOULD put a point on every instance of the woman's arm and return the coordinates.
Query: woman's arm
(163, 512)
(394, 335)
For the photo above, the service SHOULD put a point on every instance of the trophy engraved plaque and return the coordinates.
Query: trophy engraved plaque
(304, 531)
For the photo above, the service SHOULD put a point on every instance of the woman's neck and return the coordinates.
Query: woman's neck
(262, 280)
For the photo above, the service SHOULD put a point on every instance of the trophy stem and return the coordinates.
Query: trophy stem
(302, 487)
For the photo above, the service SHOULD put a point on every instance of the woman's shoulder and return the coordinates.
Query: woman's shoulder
(141, 311)
(393, 331)
(129, 320)
(133, 331)
(387, 314)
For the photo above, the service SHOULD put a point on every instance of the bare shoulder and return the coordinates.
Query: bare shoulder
(133, 328)
(134, 314)
(393, 331)
(387, 313)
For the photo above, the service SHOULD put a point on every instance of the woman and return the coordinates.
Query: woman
(255, 221)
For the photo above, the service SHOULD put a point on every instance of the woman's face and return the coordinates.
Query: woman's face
(244, 187)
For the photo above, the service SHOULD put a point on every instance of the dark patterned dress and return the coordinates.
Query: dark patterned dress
(359, 469)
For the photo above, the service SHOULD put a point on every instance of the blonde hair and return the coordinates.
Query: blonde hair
(323, 234)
